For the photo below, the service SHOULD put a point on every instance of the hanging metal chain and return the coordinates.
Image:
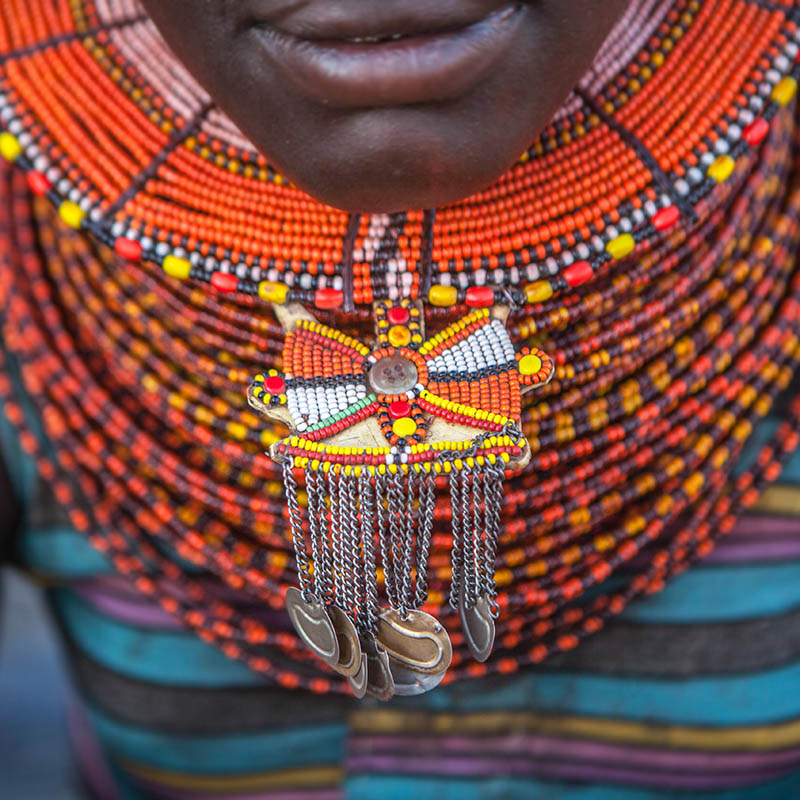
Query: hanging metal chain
(336, 539)
(368, 620)
(456, 552)
(495, 475)
(354, 574)
(397, 532)
(479, 490)
(469, 571)
(316, 502)
(407, 486)
(296, 525)
(381, 504)
(427, 508)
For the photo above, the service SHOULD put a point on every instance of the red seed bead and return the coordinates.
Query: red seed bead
(129, 249)
(666, 218)
(578, 273)
(275, 384)
(328, 298)
(38, 182)
(398, 315)
(399, 409)
(755, 132)
(479, 296)
(224, 282)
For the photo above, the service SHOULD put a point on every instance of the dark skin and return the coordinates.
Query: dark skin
(367, 128)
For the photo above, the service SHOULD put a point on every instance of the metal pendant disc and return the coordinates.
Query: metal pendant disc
(358, 682)
(380, 683)
(478, 627)
(349, 645)
(313, 625)
(409, 683)
(418, 643)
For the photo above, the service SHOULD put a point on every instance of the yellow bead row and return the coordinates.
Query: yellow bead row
(443, 468)
(452, 330)
(313, 326)
(464, 410)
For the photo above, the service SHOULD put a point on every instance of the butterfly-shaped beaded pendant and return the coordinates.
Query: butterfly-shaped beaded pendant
(377, 432)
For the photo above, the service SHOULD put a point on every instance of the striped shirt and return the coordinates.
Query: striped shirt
(693, 689)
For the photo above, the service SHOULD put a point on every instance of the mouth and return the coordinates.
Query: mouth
(385, 63)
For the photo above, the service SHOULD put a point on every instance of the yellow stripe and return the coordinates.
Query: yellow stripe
(752, 738)
(301, 778)
(779, 499)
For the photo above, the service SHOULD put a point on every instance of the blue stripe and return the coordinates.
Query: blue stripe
(720, 593)
(284, 748)
(62, 553)
(176, 658)
(402, 788)
(21, 467)
(753, 699)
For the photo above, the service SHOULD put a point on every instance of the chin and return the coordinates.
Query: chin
(372, 189)
(386, 162)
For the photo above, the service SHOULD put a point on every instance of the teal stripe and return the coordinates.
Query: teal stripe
(253, 753)
(760, 437)
(720, 593)
(753, 699)
(402, 788)
(62, 553)
(176, 658)
(21, 467)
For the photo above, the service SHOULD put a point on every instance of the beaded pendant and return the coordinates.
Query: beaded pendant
(375, 434)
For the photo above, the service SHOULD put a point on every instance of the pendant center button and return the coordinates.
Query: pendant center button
(393, 375)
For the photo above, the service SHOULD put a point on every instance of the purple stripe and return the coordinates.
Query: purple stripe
(472, 767)
(115, 598)
(535, 746)
(751, 551)
(88, 754)
(159, 792)
(119, 607)
(759, 537)
(765, 525)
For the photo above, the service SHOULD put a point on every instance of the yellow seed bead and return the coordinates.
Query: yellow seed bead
(530, 364)
(443, 296)
(271, 292)
(10, 148)
(177, 267)
(722, 168)
(539, 291)
(622, 246)
(399, 336)
(404, 427)
(237, 430)
(784, 90)
(71, 213)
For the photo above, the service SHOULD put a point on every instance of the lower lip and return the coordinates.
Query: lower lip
(415, 69)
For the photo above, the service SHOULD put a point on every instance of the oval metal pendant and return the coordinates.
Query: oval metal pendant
(409, 683)
(349, 644)
(418, 643)
(380, 683)
(313, 625)
(358, 682)
(478, 627)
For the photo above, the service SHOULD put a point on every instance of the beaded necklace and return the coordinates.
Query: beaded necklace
(641, 253)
